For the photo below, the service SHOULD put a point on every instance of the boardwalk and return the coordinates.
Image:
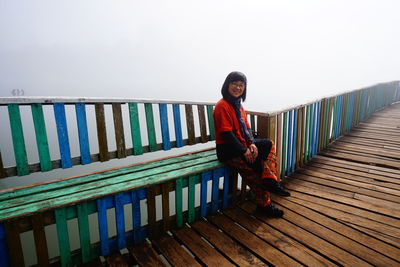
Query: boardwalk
(344, 210)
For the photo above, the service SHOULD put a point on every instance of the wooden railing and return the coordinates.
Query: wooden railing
(133, 113)
(299, 134)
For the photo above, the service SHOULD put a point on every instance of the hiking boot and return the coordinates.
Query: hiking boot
(270, 210)
(273, 186)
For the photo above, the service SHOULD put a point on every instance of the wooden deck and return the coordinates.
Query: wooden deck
(344, 210)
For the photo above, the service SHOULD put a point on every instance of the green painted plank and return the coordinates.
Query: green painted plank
(84, 233)
(103, 175)
(18, 140)
(63, 238)
(104, 189)
(23, 200)
(151, 132)
(178, 202)
(41, 137)
(191, 198)
(211, 122)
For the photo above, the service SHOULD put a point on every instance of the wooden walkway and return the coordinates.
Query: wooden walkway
(344, 210)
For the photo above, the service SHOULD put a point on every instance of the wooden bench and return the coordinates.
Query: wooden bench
(36, 206)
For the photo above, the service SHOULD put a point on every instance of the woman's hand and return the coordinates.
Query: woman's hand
(248, 155)
(254, 151)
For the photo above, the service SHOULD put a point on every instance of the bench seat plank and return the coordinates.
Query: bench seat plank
(82, 192)
(7, 194)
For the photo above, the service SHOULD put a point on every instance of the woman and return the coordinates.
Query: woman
(254, 159)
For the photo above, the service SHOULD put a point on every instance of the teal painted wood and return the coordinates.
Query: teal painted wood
(191, 198)
(284, 145)
(151, 133)
(225, 198)
(181, 161)
(164, 127)
(290, 143)
(177, 125)
(84, 233)
(179, 202)
(103, 226)
(76, 194)
(41, 137)
(63, 238)
(334, 118)
(18, 140)
(211, 122)
(135, 129)
(62, 133)
(4, 258)
(83, 133)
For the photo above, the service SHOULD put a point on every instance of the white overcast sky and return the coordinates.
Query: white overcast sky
(291, 51)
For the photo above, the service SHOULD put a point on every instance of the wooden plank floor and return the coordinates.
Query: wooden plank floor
(344, 210)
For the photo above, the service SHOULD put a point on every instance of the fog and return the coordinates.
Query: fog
(291, 51)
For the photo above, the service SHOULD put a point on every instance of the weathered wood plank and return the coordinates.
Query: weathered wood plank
(204, 252)
(119, 130)
(252, 242)
(202, 121)
(101, 132)
(190, 124)
(18, 140)
(3, 172)
(40, 240)
(179, 202)
(173, 252)
(165, 189)
(14, 243)
(145, 255)
(41, 137)
(116, 260)
(231, 249)
(151, 210)
(277, 239)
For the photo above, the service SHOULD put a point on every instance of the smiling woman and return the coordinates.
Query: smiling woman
(254, 159)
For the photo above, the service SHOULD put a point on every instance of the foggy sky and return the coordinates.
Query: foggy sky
(291, 51)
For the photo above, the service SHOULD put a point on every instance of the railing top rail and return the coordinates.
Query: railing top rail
(93, 100)
(90, 100)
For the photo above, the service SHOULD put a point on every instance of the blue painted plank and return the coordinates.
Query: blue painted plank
(62, 132)
(137, 236)
(225, 199)
(4, 258)
(164, 126)
(314, 118)
(177, 125)
(83, 133)
(120, 221)
(203, 193)
(318, 115)
(103, 226)
(215, 190)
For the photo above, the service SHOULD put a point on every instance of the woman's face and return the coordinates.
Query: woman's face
(236, 89)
